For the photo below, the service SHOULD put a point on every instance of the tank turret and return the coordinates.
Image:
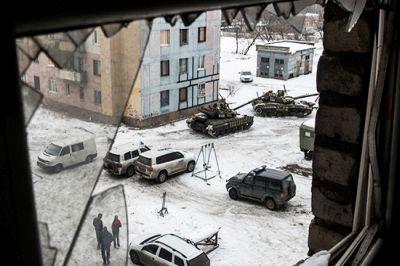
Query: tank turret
(219, 119)
(281, 104)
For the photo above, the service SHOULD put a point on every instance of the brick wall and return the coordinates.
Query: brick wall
(342, 81)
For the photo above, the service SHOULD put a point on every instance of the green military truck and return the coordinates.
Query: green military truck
(307, 135)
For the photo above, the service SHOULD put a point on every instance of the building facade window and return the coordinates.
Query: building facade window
(183, 37)
(201, 61)
(201, 34)
(265, 60)
(67, 89)
(164, 37)
(81, 94)
(164, 98)
(164, 68)
(183, 65)
(95, 40)
(52, 85)
(97, 97)
(79, 64)
(36, 82)
(183, 95)
(278, 71)
(264, 67)
(201, 91)
(96, 68)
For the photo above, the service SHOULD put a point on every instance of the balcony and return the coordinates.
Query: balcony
(73, 76)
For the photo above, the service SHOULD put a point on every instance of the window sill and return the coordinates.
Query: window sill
(164, 45)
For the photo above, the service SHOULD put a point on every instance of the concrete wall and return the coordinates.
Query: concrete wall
(272, 56)
(293, 63)
(342, 81)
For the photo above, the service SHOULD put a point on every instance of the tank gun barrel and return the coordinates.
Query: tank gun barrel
(305, 96)
(246, 103)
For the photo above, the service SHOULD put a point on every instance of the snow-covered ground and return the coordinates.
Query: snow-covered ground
(250, 234)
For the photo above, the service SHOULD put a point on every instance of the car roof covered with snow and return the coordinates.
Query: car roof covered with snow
(73, 140)
(123, 148)
(187, 250)
(274, 174)
(159, 152)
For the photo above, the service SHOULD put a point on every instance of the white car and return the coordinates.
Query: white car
(159, 164)
(168, 250)
(246, 76)
(68, 152)
(120, 159)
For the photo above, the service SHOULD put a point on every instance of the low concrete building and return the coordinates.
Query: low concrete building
(284, 59)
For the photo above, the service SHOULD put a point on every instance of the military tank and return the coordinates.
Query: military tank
(279, 104)
(218, 120)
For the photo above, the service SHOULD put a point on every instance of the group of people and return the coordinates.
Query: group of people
(105, 238)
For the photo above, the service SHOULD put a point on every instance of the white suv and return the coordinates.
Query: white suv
(159, 164)
(168, 249)
(120, 159)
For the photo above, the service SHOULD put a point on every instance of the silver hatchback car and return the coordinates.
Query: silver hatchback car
(159, 164)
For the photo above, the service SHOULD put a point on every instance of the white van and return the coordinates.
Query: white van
(63, 153)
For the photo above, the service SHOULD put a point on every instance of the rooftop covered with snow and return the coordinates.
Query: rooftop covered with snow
(286, 46)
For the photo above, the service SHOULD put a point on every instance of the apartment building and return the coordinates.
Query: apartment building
(179, 72)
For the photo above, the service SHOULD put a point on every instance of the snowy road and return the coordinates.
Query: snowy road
(250, 234)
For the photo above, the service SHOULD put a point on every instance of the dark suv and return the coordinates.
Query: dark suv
(269, 186)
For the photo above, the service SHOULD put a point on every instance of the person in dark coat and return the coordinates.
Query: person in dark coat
(115, 230)
(98, 227)
(106, 239)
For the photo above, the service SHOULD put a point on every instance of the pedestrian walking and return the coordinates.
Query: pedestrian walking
(98, 227)
(106, 239)
(115, 230)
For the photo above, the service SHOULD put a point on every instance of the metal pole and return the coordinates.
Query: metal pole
(216, 159)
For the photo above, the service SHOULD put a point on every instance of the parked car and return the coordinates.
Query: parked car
(68, 152)
(167, 249)
(271, 187)
(246, 76)
(120, 159)
(159, 164)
